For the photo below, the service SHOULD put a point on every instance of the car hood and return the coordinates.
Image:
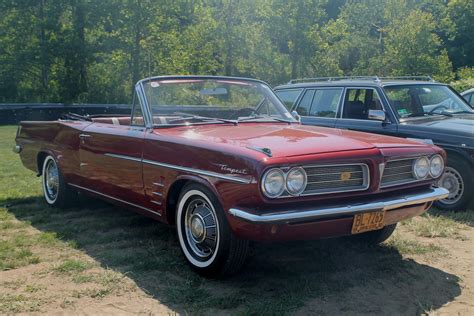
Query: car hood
(459, 123)
(284, 140)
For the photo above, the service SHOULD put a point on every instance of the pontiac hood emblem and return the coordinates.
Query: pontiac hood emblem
(345, 176)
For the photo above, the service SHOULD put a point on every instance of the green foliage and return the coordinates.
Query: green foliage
(94, 51)
(465, 80)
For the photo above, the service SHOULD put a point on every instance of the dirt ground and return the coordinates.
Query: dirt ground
(410, 274)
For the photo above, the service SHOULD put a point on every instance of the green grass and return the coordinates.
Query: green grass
(72, 266)
(413, 247)
(434, 226)
(123, 247)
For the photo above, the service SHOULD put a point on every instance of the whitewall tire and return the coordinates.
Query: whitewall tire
(204, 235)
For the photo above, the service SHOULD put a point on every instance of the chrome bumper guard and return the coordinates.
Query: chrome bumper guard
(383, 204)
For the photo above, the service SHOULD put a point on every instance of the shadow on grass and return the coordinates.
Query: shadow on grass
(330, 276)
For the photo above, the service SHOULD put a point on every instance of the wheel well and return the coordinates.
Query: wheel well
(457, 156)
(40, 160)
(172, 199)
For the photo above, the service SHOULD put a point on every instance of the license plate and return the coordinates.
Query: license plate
(365, 222)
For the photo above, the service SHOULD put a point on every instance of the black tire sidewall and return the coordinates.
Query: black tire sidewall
(377, 236)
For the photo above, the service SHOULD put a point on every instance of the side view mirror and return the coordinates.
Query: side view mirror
(296, 116)
(377, 115)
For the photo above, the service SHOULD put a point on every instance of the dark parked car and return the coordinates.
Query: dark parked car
(409, 107)
(469, 96)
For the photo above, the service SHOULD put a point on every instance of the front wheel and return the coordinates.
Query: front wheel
(458, 180)
(377, 236)
(205, 237)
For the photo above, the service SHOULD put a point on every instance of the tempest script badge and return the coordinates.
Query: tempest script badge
(346, 176)
(231, 170)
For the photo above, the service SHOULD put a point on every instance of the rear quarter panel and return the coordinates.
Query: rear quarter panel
(57, 138)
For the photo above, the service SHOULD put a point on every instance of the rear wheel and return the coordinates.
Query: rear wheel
(458, 180)
(377, 236)
(55, 190)
(205, 237)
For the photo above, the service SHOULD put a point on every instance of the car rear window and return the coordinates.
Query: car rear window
(325, 102)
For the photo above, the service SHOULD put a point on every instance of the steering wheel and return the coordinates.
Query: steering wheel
(242, 112)
(439, 107)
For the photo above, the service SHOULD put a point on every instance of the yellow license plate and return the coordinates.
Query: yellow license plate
(365, 222)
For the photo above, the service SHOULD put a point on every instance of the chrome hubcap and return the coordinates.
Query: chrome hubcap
(197, 228)
(452, 181)
(200, 228)
(52, 179)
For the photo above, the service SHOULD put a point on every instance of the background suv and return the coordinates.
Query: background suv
(410, 107)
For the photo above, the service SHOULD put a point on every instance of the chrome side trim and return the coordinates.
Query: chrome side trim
(123, 157)
(198, 171)
(180, 168)
(384, 204)
(114, 198)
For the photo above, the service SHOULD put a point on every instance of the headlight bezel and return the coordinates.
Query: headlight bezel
(434, 176)
(264, 178)
(305, 181)
(414, 168)
(285, 172)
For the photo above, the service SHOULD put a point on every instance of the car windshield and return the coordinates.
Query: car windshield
(186, 101)
(424, 100)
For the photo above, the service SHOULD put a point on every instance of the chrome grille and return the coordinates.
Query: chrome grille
(398, 172)
(336, 178)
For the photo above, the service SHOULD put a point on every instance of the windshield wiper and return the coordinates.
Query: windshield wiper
(256, 117)
(75, 117)
(464, 112)
(439, 113)
(191, 117)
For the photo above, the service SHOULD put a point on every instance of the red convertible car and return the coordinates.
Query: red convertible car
(223, 160)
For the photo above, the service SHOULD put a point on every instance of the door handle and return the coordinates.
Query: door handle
(82, 136)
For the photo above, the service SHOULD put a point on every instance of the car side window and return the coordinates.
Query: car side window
(137, 114)
(325, 102)
(288, 97)
(359, 101)
(305, 104)
(470, 98)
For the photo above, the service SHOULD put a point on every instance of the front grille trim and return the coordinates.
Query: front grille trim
(392, 183)
(365, 179)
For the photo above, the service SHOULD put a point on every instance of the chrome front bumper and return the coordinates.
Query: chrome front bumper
(384, 204)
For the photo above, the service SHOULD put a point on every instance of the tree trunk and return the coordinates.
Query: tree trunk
(43, 53)
(81, 62)
(228, 63)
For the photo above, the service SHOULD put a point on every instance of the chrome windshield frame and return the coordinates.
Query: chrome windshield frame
(147, 108)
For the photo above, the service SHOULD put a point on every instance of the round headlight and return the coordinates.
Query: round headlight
(296, 181)
(436, 166)
(273, 183)
(421, 168)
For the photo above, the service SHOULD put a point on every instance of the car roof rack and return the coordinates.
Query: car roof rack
(371, 78)
(420, 78)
